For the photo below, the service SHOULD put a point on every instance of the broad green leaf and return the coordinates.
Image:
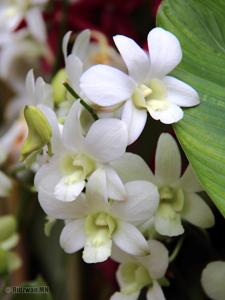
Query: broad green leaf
(200, 27)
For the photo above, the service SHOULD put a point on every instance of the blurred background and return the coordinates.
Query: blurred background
(39, 258)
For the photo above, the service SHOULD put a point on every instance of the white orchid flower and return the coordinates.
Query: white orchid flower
(178, 194)
(38, 92)
(135, 273)
(95, 221)
(77, 156)
(213, 278)
(146, 88)
(13, 12)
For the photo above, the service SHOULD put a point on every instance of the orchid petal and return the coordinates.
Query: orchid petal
(131, 167)
(143, 200)
(168, 222)
(135, 120)
(128, 238)
(155, 292)
(72, 133)
(106, 86)
(68, 192)
(65, 43)
(80, 47)
(136, 59)
(197, 212)
(170, 115)
(189, 182)
(74, 69)
(96, 191)
(72, 237)
(180, 93)
(106, 139)
(165, 52)
(115, 186)
(96, 253)
(59, 209)
(158, 260)
(167, 160)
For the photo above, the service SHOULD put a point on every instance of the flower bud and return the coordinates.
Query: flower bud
(59, 91)
(40, 132)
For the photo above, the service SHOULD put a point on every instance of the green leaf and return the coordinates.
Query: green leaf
(200, 27)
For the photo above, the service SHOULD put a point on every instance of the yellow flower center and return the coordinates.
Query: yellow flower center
(172, 197)
(77, 167)
(99, 227)
(151, 96)
(135, 277)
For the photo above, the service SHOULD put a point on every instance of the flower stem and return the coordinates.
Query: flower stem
(82, 102)
(176, 250)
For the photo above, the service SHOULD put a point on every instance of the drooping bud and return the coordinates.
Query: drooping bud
(39, 134)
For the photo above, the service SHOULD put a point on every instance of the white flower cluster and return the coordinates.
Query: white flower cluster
(20, 50)
(107, 196)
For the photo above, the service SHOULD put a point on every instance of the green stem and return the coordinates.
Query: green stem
(82, 102)
(176, 250)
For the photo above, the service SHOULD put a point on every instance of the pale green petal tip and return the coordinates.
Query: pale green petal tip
(40, 132)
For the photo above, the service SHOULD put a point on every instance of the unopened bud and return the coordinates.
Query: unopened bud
(59, 91)
(40, 132)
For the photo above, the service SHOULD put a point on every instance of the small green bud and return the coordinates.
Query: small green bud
(39, 135)
(59, 91)
(7, 227)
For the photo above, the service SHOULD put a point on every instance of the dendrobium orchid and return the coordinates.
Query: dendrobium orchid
(135, 273)
(78, 155)
(146, 87)
(178, 194)
(94, 221)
